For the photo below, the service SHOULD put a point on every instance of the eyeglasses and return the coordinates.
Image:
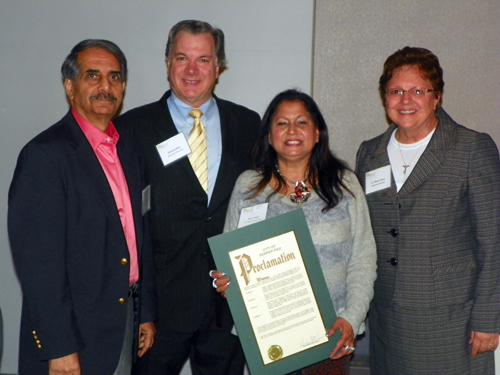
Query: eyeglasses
(414, 92)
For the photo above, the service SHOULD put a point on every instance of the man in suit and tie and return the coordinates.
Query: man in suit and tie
(79, 241)
(189, 200)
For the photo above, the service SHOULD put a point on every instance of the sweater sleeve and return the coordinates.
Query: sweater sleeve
(362, 265)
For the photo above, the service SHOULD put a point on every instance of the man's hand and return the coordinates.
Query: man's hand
(147, 332)
(68, 365)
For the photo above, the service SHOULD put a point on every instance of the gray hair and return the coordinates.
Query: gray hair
(199, 27)
(70, 68)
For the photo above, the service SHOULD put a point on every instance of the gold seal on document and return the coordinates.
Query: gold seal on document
(275, 352)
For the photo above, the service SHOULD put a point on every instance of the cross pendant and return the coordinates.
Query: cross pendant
(405, 167)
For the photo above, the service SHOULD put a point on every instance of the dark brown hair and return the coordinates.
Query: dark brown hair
(421, 58)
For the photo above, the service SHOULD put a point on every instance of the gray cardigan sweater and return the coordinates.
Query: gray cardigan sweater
(342, 237)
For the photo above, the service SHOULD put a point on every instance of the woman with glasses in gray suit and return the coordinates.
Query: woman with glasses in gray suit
(433, 189)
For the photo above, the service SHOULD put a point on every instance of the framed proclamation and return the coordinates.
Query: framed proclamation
(278, 297)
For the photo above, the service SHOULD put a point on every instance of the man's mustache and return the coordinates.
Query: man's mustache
(103, 96)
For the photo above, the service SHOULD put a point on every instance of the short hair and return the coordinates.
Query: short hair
(326, 171)
(70, 67)
(421, 58)
(199, 27)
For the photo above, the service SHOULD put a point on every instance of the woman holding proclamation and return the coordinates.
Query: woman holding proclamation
(294, 168)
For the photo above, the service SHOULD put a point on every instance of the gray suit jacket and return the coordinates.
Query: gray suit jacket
(438, 237)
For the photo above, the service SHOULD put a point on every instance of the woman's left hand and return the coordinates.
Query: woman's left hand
(482, 342)
(346, 340)
(220, 282)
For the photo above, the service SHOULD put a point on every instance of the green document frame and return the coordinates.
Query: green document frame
(252, 298)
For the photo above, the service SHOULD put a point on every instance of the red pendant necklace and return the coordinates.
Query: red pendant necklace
(302, 193)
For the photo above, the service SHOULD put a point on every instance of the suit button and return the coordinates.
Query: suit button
(124, 261)
(121, 301)
(393, 232)
(208, 219)
(393, 261)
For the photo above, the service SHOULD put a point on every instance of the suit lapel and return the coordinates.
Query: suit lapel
(433, 157)
(221, 188)
(164, 126)
(165, 129)
(93, 169)
(428, 163)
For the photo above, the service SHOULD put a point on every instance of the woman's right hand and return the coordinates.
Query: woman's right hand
(220, 282)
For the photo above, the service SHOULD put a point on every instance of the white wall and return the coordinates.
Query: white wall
(268, 46)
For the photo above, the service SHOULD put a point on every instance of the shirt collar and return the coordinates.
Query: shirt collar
(94, 135)
(182, 109)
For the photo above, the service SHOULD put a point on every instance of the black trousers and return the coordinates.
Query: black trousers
(212, 350)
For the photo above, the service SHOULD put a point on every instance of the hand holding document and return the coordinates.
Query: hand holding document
(278, 299)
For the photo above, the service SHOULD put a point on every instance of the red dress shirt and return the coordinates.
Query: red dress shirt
(104, 146)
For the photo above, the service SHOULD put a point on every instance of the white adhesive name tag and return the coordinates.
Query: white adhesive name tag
(254, 214)
(146, 200)
(173, 149)
(378, 179)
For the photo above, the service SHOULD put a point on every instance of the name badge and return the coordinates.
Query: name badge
(378, 179)
(173, 149)
(254, 214)
(146, 200)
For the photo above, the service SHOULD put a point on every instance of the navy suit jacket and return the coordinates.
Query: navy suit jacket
(69, 249)
(180, 220)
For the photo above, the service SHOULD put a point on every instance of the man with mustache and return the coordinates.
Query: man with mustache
(78, 236)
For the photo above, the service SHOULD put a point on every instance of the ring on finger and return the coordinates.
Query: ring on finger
(213, 283)
(350, 348)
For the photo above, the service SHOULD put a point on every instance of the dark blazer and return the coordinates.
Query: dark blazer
(180, 220)
(68, 247)
(442, 227)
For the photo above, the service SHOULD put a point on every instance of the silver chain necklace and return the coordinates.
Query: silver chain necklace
(405, 164)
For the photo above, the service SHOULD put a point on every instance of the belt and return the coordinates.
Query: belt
(132, 290)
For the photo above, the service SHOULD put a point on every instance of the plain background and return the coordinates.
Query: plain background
(354, 38)
(332, 48)
(268, 47)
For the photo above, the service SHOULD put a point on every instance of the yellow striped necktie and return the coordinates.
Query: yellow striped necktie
(198, 143)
